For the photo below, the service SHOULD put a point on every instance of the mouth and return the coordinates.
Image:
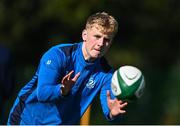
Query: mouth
(99, 50)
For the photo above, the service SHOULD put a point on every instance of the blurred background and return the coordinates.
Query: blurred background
(148, 38)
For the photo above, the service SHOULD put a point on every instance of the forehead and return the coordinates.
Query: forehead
(100, 29)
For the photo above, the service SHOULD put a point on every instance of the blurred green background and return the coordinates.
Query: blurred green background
(148, 38)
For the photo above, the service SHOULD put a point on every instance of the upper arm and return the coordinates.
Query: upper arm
(49, 75)
(103, 96)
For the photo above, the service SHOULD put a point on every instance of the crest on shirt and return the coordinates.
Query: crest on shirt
(91, 83)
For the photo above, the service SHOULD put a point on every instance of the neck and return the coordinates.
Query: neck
(86, 55)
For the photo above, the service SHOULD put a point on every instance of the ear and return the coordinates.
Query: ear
(84, 35)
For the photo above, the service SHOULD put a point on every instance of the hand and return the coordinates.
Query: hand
(115, 106)
(67, 82)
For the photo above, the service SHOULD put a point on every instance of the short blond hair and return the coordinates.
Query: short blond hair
(105, 22)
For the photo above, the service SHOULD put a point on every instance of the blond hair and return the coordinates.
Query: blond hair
(104, 21)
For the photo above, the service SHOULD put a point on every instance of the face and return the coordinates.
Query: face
(96, 43)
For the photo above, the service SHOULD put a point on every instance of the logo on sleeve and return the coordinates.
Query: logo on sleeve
(91, 83)
(48, 62)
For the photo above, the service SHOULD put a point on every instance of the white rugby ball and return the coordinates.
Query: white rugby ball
(127, 83)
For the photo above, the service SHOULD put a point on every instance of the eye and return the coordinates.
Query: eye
(107, 39)
(97, 36)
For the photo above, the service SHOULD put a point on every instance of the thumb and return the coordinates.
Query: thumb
(108, 95)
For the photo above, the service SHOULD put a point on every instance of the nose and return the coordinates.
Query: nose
(101, 42)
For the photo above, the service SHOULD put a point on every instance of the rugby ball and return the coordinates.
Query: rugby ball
(127, 83)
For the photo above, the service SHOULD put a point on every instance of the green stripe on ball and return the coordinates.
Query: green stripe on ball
(127, 92)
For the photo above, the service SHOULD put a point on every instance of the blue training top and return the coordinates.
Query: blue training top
(40, 100)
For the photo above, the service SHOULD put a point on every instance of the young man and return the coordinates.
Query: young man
(68, 78)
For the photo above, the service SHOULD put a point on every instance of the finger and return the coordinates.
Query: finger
(123, 105)
(120, 101)
(76, 77)
(69, 74)
(122, 111)
(108, 95)
(65, 78)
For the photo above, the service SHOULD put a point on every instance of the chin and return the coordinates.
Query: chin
(97, 56)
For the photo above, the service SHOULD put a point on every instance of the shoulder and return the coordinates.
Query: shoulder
(106, 67)
(60, 53)
(62, 49)
(106, 71)
(67, 49)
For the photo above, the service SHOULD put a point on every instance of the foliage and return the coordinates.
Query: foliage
(148, 38)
